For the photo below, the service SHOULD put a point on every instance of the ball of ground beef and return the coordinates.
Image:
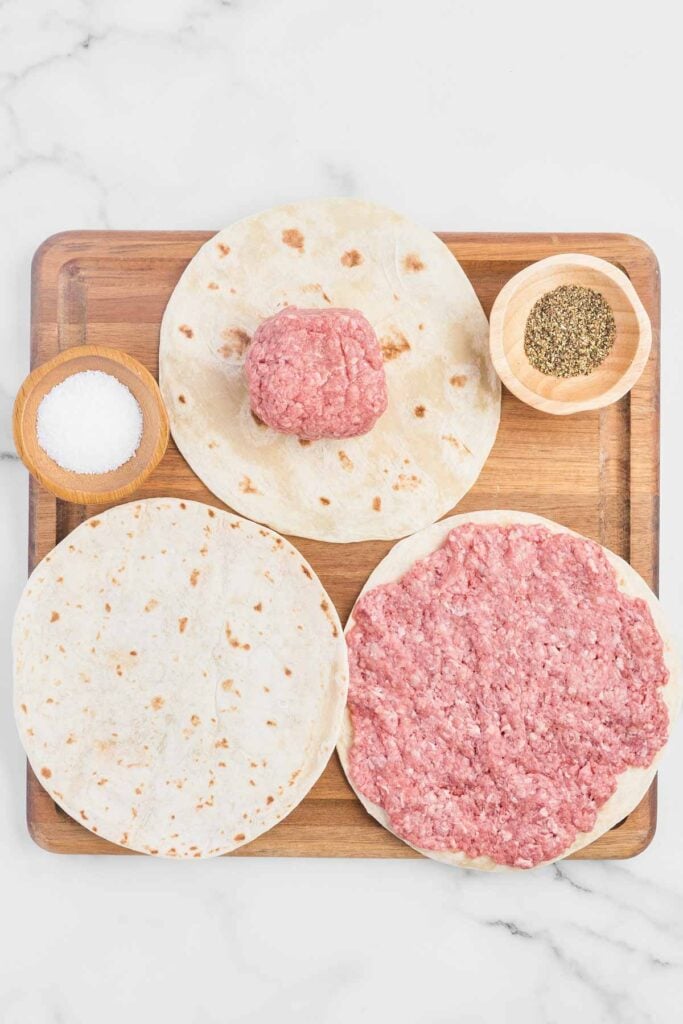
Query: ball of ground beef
(317, 373)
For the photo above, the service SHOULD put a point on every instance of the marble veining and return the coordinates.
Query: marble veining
(191, 113)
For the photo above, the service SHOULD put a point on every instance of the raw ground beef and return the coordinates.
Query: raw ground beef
(317, 373)
(499, 689)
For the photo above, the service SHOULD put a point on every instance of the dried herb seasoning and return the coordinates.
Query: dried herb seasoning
(569, 331)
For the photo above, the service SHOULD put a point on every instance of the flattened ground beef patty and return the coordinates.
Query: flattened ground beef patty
(317, 373)
(497, 691)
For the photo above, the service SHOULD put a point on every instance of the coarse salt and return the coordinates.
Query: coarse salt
(89, 423)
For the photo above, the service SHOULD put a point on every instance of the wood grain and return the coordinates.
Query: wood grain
(596, 472)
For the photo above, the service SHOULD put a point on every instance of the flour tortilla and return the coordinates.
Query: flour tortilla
(632, 784)
(180, 676)
(423, 454)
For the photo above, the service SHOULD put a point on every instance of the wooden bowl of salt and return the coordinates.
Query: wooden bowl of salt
(90, 424)
(557, 302)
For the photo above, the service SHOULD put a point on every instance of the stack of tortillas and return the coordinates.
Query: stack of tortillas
(180, 676)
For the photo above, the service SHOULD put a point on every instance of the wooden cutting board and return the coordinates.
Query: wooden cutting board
(597, 473)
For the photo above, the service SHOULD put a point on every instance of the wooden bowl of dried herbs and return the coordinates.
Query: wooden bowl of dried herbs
(569, 333)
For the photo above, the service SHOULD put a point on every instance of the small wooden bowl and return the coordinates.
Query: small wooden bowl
(562, 395)
(91, 488)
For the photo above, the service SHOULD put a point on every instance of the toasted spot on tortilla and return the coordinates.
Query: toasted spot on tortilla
(212, 286)
(419, 411)
(227, 684)
(270, 721)
(182, 399)
(54, 616)
(46, 773)
(405, 482)
(247, 487)
(258, 607)
(324, 501)
(458, 380)
(233, 641)
(151, 604)
(194, 576)
(83, 815)
(293, 238)
(345, 460)
(257, 419)
(420, 327)
(157, 703)
(460, 445)
(211, 513)
(240, 837)
(377, 504)
(351, 258)
(187, 331)
(288, 671)
(236, 342)
(306, 571)
(304, 442)
(94, 522)
(393, 345)
(195, 719)
(270, 799)
(223, 250)
(318, 289)
(102, 782)
(412, 263)
(24, 708)
(107, 606)
(60, 579)
(326, 608)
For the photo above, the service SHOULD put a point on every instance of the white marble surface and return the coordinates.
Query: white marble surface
(467, 116)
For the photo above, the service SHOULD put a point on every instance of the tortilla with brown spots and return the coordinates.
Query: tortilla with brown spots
(434, 338)
(190, 707)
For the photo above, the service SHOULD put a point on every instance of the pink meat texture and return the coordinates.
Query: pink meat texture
(499, 689)
(317, 373)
